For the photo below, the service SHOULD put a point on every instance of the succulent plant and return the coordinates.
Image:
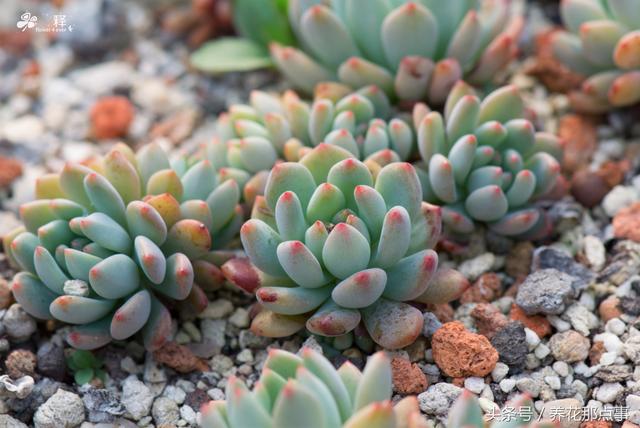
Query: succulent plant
(413, 50)
(483, 162)
(329, 247)
(103, 247)
(251, 139)
(518, 413)
(307, 391)
(602, 43)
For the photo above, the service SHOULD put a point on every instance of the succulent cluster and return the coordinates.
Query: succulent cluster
(106, 245)
(413, 50)
(602, 43)
(466, 412)
(251, 139)
(307, 391)
(483, 162)
(330, 246)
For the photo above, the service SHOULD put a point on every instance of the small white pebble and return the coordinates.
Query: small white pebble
(245, 356)
(561, 368)
(560, 324)
(633, 402)
(588, 301)
(532, 338)
(215, 394)
(553, 382)
(542, 351)
(488, 405)
(474, 384)
(487, 393)
(608, 358)
(580, 368)
(499, 371)
(615, 326)
(507, 385)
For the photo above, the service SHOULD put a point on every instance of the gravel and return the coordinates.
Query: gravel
(546, 291)
(63, 410)
(438, 398)
(137, 398)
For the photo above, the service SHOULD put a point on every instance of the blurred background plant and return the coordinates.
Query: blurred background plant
(257, 27)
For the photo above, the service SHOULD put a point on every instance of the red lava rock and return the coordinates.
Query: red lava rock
(21, 363)
(596, 352)
(6, 298)
(408, 378)
(518, 261)
(111, 117)
(460, 353)
(444, 312)
(10, 169)
(488, 319)
(580, 140)
(537, 323)
(485, 289)
(546, 68)
(180, 358)
(458, 381)
(609, 308)
(626, 223)
(596, 424)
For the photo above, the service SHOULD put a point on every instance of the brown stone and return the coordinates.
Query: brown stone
(609, 308)
(546, 68)
(460, 353)
(626, 223)
(588, 187)
(444, 312)
(21, 362)
(180, 358)
(6, 298)
(10, 169)
(408, 378)
(111, 117)
(537, 323)
(486, 289)
(518, 261)
(578, 132)
(488, 319)
(596, 352)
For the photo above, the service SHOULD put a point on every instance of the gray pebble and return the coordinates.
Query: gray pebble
(63, 409)
(545, 291)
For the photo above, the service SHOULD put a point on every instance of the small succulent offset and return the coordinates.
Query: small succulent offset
(483, 162)
(330, 246)
(602, 43)
(85, 366)
(467, 413)
(251, 139)
(103, 247)
(307, 391)
(413, 50)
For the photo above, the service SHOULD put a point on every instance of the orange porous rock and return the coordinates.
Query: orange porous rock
(111, 117)
(460, 353)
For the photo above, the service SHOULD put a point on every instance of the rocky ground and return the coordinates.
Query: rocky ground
(558, 319)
